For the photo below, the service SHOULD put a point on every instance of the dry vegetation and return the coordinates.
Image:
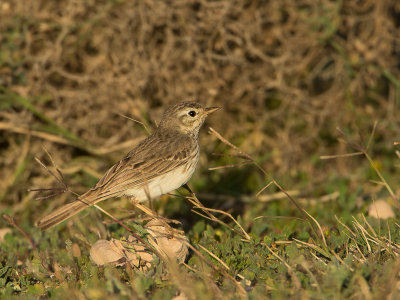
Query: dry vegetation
(287, 74)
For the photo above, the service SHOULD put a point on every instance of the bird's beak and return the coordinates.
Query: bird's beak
(210, 110)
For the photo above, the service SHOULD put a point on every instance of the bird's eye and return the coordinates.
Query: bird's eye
(192, 113)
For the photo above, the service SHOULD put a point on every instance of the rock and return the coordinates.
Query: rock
(380, 209)
(168, 241)
(104, 252)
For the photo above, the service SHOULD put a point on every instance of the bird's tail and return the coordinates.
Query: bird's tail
(62, 213)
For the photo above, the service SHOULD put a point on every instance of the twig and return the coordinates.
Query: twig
(225, 141)
(392, 194)
(371, 136)
(290, 269)
(136, 121)
(237, 149)
(211, 217)
(60, 140)
(362, 150)
(305, 214)
(341, 260)
(242, 292)
(11, 221)
(215, 257)
(341, 155)
(231, 165)
(264, 188)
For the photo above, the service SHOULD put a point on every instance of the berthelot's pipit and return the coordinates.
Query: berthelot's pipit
(161, 163)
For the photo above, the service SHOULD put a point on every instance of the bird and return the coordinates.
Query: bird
(159, 164)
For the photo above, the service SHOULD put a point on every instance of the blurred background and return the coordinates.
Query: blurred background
(287, 74)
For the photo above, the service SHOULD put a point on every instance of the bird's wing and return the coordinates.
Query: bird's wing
(151, 158)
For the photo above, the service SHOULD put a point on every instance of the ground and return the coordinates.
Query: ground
(301, 83)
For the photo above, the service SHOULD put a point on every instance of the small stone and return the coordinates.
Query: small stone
(380, 209)
(104, 252)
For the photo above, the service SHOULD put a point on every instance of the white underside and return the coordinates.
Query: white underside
(162, 185)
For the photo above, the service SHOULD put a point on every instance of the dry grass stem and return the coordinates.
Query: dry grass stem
(314, 247)
(291, 272)
(341, 155)
(225, 141)
(231, 165)
(197, 204)
(266, 186)
(214, 256)
(242, 292)
(136, 121)
(341, 261)
(345, 226)
(11, 221)
(363, 150)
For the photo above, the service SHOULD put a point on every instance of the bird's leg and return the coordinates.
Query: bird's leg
(193, 197)
(147, 210)
(133, 200)
(186, 187)
(147, 192)
(196, 202)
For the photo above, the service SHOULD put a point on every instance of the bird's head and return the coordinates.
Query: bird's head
(186, 117)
